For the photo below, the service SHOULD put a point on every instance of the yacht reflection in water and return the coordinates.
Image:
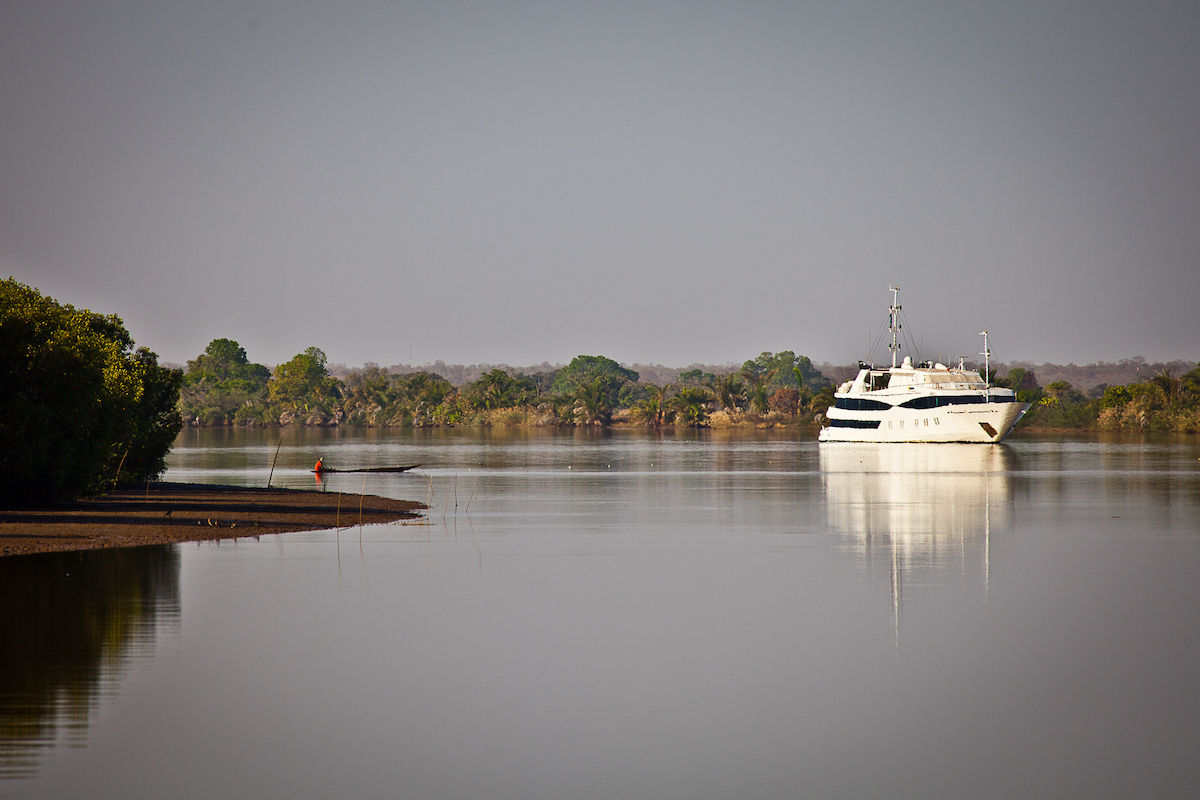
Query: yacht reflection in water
(71, 623)
(921, 512)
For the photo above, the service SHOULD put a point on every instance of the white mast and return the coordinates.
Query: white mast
(894, 322)
(987, 367)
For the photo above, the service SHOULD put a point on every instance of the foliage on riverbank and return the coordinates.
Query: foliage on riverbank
(221, 387)
(82, 409)
(1162, 403)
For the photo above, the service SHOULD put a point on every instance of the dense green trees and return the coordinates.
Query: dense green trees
(222, 387)
(303, 390)
(498, 389)
(592, 375)
(691, 406)
(770, 372)
(1161, 403)
(651, 409)
(596, 384)
(1024, 383)
(1189, 386)
(729, 392)
(1060, 405)
(223, 360)
(376, 397)
(81, 407)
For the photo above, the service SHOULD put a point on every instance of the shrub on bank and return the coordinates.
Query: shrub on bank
(83, 408)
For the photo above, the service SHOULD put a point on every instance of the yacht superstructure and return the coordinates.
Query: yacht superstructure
(924, 402)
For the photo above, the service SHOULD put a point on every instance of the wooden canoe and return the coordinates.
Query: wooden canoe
(325, 470)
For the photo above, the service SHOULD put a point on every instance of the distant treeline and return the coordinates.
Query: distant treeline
(222, 387)
(1162, 402)
(1091, 379)
(462, 374)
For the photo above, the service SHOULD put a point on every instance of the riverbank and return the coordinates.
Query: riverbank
(163, 513)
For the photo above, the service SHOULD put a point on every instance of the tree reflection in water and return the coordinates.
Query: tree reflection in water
(70, 623)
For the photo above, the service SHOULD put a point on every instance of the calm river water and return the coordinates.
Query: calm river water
(603, 615)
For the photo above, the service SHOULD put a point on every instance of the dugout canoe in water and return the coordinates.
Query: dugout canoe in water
(325, 470)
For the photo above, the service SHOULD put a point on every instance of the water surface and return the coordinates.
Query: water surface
(589, 614)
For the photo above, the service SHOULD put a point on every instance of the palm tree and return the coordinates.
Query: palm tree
(691, 406)
(652, 409)
(491, 389)
(592, 402)
(561, 407)
(758, 389)
(822, 400)
(1189, 385)
(728, 390)
(1168, 383)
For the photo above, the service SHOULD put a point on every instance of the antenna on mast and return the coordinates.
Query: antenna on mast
(987, 367)
(894, 322)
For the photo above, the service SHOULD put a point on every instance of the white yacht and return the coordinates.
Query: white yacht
(925, 402)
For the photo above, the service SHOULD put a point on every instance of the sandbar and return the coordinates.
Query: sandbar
(162, 512)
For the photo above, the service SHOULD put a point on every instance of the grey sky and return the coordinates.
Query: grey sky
(670, 182)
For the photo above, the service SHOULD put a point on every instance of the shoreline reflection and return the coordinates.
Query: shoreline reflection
(72, 622)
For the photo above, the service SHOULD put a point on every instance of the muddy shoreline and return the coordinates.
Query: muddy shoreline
(162, 513)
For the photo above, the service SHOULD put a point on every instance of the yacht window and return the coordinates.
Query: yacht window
(936, 401)
(854, 423)
(860, 404)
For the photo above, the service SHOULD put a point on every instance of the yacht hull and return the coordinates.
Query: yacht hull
(983, 424)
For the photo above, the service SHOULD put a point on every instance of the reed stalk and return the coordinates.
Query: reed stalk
(271, 474)
(475, 483)
(361, 496)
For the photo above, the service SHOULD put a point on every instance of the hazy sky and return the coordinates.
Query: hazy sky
(670, 182)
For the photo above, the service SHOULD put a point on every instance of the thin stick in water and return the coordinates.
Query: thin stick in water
(271, 474)
(472, 496)
(360, 504)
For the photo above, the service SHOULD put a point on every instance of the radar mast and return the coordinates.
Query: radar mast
(894, 322)
(987, 367)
